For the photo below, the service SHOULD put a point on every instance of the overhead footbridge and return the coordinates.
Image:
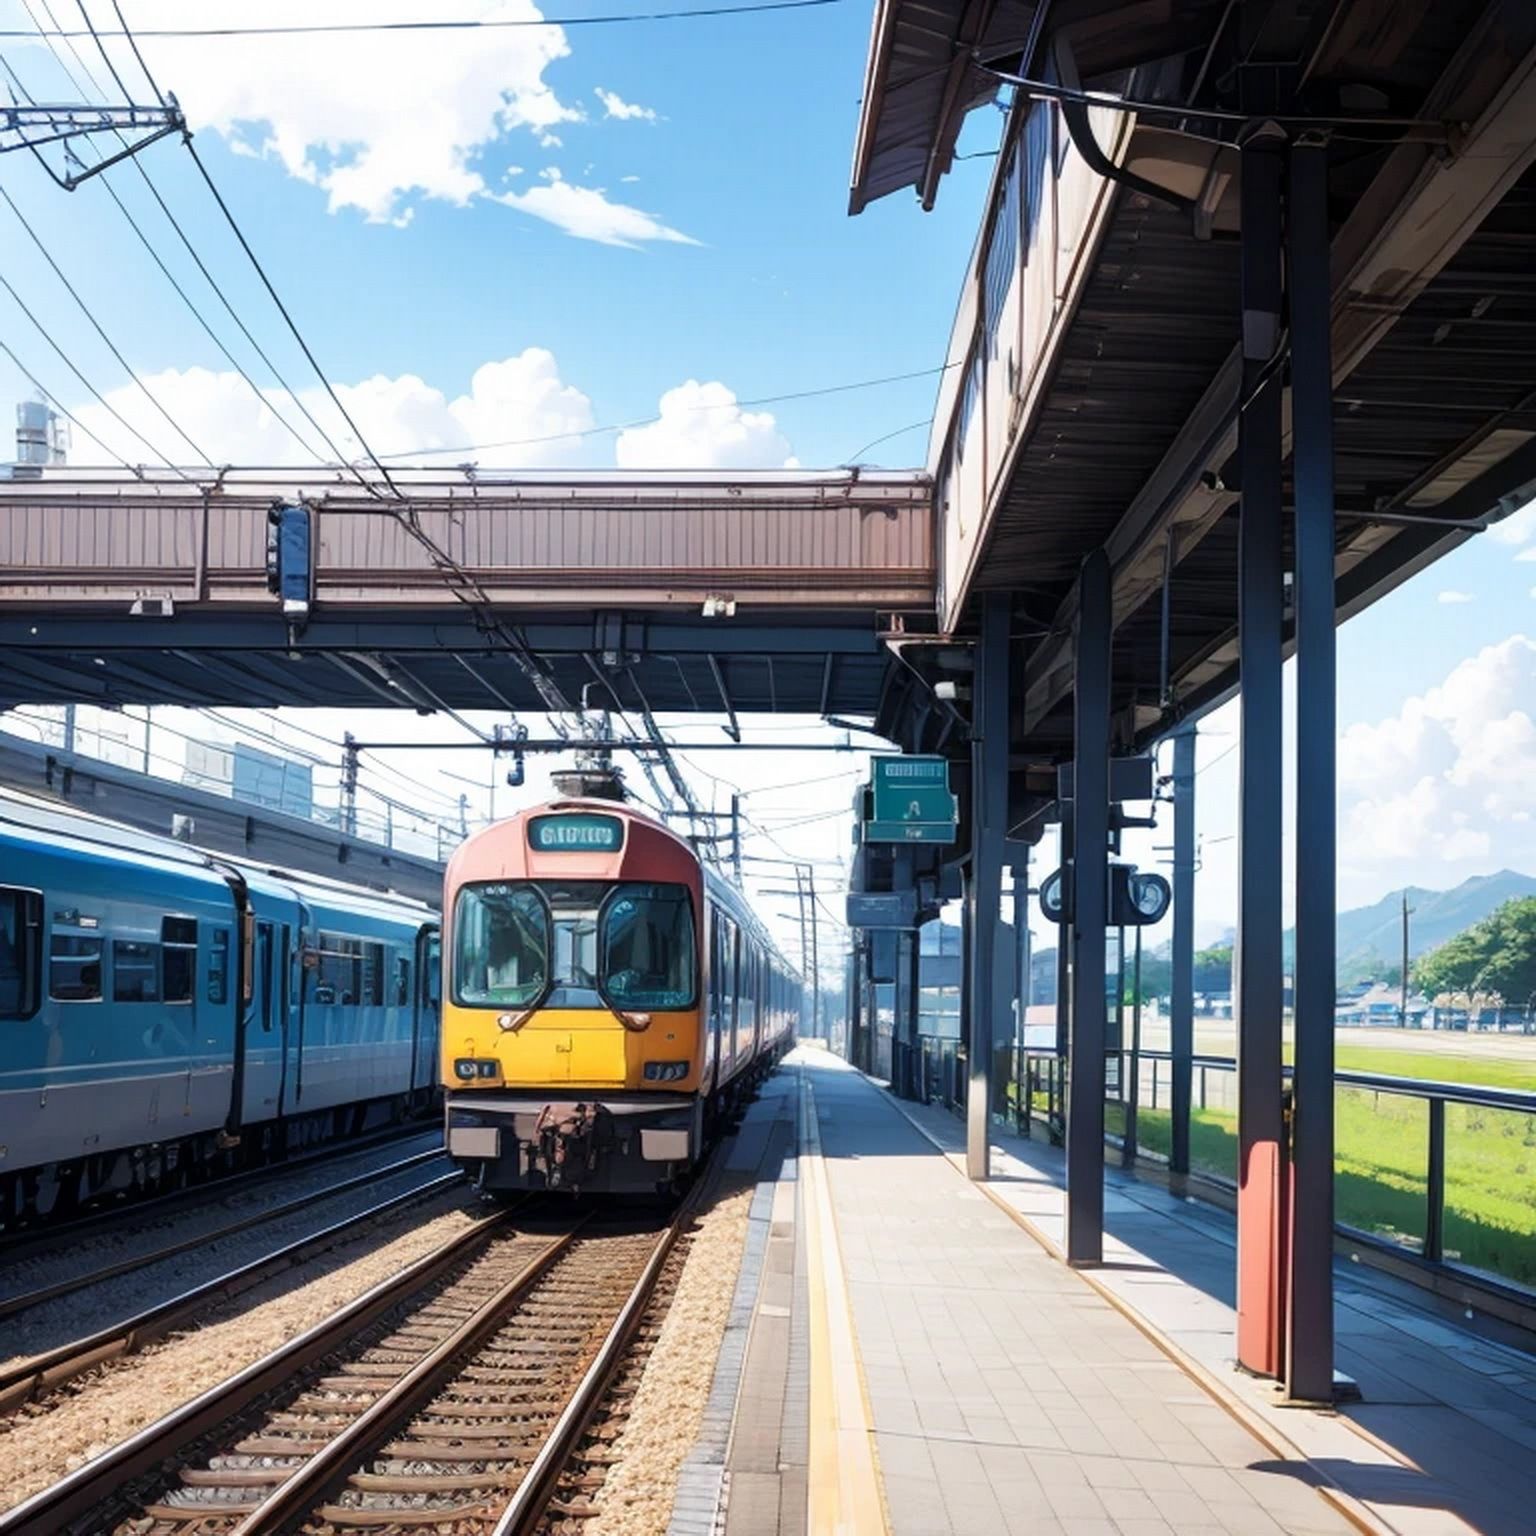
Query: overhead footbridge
(679, 592)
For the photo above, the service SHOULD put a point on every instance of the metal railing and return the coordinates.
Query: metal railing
(1397, 1139)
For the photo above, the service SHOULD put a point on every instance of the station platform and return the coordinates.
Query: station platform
(907, 1353)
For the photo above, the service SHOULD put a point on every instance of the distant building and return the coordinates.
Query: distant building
(1379, 1005)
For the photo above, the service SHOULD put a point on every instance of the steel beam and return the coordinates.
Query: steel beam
(989, 830)
(1182, 1001)
(1089, 898)
(1309, 1311)
(1411, 221)
(1258, 962)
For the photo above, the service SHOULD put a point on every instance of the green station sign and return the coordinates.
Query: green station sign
(910, 801)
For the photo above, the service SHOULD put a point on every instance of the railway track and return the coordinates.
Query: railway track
(23, 1301)
(450, 1398)
(20, 1243)
(29, 1377)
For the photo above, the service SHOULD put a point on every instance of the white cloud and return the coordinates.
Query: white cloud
(701, 426)
(374, 119)
(1528, 553)
(586, 213)
(628, 179)
(1447, 786)
(1452, 596)
(1518, 528)
(615, 106)
(518, 398)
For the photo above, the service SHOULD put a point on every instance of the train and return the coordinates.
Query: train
(167, 1014)
(609, 1002)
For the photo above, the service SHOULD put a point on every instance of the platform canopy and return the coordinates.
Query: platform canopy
(1092, 397)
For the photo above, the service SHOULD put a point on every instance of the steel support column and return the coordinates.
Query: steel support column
(989, 828)
(914, 1005)
(1309, 1311)
(1182, 990)
(1088, 912)
(1022, 957)
(1258, 991)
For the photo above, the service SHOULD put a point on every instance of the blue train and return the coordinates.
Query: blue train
(166, 1014)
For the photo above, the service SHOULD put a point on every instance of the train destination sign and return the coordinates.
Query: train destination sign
(910, 801)
(576, 834)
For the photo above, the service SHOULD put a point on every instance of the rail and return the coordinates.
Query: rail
(1430, 1171)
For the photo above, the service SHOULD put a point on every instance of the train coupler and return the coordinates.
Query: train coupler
(568, 1142)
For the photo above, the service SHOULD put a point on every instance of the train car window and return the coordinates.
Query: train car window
(647, 946)
(178, 942)
(339, 980)
(402, 993)
(372, 992)
(502, 944)
(74, 968)
(21, 936)
(135, 971)
(218, 967)
(432, 973)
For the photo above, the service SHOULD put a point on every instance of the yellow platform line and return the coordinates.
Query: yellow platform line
(844, 1493)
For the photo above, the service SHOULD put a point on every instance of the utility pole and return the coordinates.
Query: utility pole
(69, 728)
(349, 784)
(736, 836)
(810, 886)
(1402, 1007)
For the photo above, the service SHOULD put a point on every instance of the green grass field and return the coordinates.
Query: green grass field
(1382, 1142)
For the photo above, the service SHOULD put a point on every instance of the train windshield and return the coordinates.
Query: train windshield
(575, 944)
(503, 945)
(647, 946)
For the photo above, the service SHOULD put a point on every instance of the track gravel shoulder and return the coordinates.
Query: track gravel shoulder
(47, 1439)
(636, 1498)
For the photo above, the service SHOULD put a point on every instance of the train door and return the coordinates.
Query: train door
(711, 1068)
(297, 970)
(264, 1040)
(425, 1023)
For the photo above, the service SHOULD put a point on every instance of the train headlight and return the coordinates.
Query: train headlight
(666, 1071)
(473, 1068)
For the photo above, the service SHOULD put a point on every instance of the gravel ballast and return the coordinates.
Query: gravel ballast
(45, 1440)
(636, 1497)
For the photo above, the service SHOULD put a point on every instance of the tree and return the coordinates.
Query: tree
(1213, 969)
(1495, 955)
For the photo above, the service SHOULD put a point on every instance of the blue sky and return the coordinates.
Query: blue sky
(747, 155)
(694, 228)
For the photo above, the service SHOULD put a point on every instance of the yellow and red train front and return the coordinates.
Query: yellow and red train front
(576, 1046)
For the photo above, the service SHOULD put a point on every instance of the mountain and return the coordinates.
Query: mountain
(1370, 939)
(1376, 932)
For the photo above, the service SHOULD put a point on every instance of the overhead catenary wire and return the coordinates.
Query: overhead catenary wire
(90, 388)
(62, 409)
(288, 320)
(912, 426)
(464, 586)
(170, 277)
(650, 421)
(96, 325)
(300, 29)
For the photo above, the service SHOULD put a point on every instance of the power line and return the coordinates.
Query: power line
(106, 58)
(170, 277)
(63, 410)
(100, 398)
(96, 325)
(288, 319)
(344, 27)
(853, 458)
(650, 421)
